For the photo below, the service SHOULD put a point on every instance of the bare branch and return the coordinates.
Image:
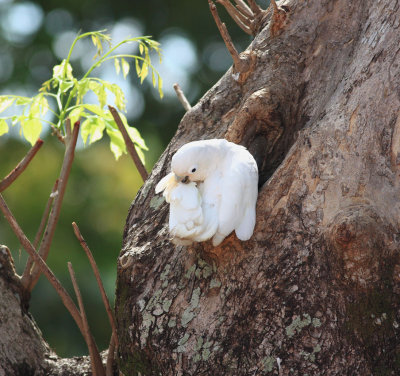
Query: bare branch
(97, 368)
(274, 6)
(45, 214)
(68, 129)
(242, 21)
(129, 144)
(55, 212)
(225, 36)
(98, 279)
(27, 271)
(66, 299)
(181, 96)
(110, 356)
(244, 8)
(254, 7)
(20, 168)
(41, 264)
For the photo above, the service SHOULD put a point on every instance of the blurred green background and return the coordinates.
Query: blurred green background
(34, 36)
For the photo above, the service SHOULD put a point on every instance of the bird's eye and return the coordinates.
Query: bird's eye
(194, 169)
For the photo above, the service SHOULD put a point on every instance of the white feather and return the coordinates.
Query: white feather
(224, 199)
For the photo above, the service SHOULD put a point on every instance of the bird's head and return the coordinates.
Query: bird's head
(193, 162)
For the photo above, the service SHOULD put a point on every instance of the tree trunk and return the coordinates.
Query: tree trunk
(23, 352)
(316, 289)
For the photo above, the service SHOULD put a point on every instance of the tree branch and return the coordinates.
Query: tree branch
(20, 168)
(181, 96)
(27, 271)
(55, 212)
(95, 359)
(129, 144)
(66, 299)
(243, 7)
(241, 20)
(98, 279)
(110, 356)
(226, 37)
(254, 7)
(274, 6)
(41, 264)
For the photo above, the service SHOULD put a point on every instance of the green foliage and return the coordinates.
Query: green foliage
(67, 93)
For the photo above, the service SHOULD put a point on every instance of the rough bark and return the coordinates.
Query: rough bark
(316, 289)
(23, 351)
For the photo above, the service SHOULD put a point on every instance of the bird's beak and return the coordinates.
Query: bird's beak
(182, 179)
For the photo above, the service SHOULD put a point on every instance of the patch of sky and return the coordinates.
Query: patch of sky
(179, 60)
(20, 21)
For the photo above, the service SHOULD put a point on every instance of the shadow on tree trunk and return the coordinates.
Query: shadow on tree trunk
(315, 291)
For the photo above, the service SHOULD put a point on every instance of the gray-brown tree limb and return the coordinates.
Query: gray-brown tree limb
(316, 289)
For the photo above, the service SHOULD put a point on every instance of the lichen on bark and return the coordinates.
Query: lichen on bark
(316, 288)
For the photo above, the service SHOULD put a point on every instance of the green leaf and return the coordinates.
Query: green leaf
(44, 105)
(119, 96)
(22, 101)
(153, 76)
(46, 86)
(97, 43)
(82, 86)
(94, 40)
(66, 85)
(15, 119)
(39, 106)
(141, 48)
(97, 110)
(63, 71)
(137, 67)
(144, 72)
(125, 67)
(160, 85)
(136, 137)
(140, 154)
(5, 102)
(31, 129)
(117, 65)
(3, 127)
(117, 143)
(76, 114)
(100, 91)
(93, 127)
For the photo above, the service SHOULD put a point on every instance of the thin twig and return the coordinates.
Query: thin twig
(20, 168)
(27, 271)
(225, 36)
(110, 356)
(55, 211)
(66, 299)
(244, 8)
(98, 279)
(242, 21)
(97, 369)
(63, 294)
(181, 96)
(129, 144)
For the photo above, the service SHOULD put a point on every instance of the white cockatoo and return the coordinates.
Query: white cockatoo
(212, 190)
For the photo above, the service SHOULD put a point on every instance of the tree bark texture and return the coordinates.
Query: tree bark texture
(316, 289)
(23, 351)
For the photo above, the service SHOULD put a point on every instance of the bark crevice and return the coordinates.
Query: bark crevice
(321, 118)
